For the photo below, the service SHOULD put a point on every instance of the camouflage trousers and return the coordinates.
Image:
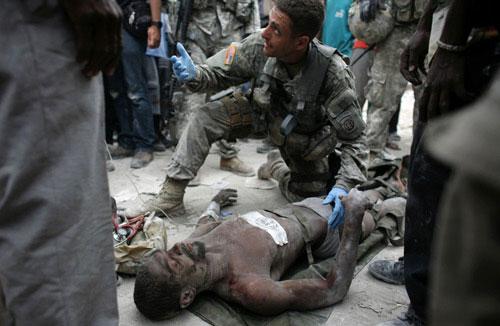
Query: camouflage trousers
(386, 86)
(199, 50)
(299, 179)
(212, 122)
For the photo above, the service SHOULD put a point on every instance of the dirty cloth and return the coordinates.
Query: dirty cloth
(56, 254)
(152, 237)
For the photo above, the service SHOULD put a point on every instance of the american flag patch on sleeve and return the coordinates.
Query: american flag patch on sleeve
(230, 54)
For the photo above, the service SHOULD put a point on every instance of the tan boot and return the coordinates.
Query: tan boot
(265, 170)
(169, 201)
(236, 166)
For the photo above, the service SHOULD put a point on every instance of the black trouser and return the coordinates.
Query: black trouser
(426, 181)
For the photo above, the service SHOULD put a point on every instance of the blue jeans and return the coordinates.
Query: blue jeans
(122, 108)
(139, 134)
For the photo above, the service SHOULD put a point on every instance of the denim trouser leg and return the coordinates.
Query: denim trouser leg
(137, 91)
(118, 92)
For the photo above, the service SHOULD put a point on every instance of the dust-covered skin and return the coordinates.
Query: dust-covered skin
(241, 263)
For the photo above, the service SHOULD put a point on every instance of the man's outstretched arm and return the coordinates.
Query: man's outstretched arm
(265, 296)
(211, 217)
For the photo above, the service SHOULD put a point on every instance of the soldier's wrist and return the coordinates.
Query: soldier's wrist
(343, 184)
(194, 84)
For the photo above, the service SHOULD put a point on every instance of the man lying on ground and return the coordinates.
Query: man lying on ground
(242, 259)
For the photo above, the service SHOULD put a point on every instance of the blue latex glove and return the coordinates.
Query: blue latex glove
(183, 66)
(333, 198)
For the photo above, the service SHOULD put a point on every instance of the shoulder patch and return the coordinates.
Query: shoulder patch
(230, 54)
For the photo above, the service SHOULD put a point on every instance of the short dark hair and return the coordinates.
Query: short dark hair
(306, 15)
(156, 292)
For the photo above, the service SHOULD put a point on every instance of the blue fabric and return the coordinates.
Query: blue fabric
(336, 31)
(162, 50)
(118, 92)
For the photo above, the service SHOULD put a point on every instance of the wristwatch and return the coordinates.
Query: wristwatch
(158, 24)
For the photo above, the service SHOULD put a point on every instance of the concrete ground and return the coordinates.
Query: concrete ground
(368, 302)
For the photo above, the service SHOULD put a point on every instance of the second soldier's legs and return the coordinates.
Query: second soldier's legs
(385, 88)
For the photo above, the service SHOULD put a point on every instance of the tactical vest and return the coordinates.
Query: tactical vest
(299, 96)
(408, 11)
(202, 4)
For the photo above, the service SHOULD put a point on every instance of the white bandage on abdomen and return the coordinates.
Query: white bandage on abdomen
(267, 224)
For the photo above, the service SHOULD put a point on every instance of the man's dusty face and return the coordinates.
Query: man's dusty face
(184, 260)
(279, 41)
(195, 250)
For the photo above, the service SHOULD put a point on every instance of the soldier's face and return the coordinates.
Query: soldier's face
(278, 36)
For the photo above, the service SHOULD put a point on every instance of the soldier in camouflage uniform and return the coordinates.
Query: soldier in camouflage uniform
(214, 24)
(295, 76)
(386, 85)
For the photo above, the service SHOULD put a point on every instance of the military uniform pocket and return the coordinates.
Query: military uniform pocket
(375, 89)
(403, 11)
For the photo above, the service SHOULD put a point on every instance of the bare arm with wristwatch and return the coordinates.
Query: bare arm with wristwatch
(156, 24)
(446, 76)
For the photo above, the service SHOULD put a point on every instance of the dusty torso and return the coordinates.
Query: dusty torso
(253, 254)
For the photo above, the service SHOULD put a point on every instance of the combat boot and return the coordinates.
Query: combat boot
(236, 166)
(169, 201)
(265, 171)
(388, 271)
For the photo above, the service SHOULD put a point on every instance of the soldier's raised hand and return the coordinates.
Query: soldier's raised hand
(183, 65)
(98, 28)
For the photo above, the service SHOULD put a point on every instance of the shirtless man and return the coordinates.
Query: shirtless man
(243, 263)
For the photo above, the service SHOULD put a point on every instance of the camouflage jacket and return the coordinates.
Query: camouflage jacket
(335, 103)
(230, 15)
